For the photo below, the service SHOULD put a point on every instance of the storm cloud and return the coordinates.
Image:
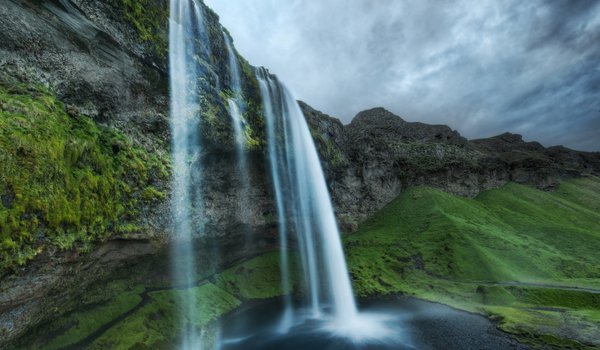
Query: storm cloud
(482, 67)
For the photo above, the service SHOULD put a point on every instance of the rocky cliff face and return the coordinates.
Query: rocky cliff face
(371, 160)
(84, 150)
(103, 64)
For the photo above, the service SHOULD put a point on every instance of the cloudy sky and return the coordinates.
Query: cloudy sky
(481, 66)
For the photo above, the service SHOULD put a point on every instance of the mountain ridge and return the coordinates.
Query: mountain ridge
(375, 157)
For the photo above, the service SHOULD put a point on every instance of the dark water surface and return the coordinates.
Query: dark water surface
(410, 324)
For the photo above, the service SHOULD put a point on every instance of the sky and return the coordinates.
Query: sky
(483, 67)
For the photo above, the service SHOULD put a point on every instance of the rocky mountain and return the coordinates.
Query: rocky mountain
(94, 75)
(373, 159)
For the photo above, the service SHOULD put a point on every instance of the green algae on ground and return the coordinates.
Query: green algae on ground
(65, 179)
(159, 322)
(258, 278)
(75, 327)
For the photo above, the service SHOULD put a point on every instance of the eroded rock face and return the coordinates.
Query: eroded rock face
(55, 282)
(98, 72)
(383, 154)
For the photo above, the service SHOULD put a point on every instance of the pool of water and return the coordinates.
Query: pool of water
(401, 323)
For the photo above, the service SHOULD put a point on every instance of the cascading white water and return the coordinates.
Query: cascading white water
(184, 23)
(304, 206)
(236, 111)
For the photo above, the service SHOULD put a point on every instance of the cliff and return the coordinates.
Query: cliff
(373, 159)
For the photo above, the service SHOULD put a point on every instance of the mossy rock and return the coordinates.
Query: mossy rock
(66, 180)
(150, 19)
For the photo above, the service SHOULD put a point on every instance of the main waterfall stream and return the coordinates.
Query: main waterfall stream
(305, 211)
(304, 206)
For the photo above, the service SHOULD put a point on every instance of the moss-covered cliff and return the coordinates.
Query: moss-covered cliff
(67, 181)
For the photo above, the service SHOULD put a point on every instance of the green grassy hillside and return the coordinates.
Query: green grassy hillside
(512, 253)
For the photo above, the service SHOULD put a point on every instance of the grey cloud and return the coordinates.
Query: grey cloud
(483, 67)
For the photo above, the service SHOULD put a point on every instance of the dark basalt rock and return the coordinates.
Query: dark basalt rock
(382, 124)
(386, 154)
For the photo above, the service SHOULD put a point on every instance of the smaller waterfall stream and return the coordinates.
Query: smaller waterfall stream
(236, 111)
(235, 102)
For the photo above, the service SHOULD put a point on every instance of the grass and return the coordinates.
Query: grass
(454, 250)
(514, 233)
(65, 179)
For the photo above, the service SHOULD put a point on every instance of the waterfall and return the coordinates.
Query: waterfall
(185, 23)
(303, 203)
(236, 111)
(235, 102)
(304, 206)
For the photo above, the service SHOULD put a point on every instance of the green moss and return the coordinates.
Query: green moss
(258, 278)
(150, 20)
(331, 153)
(253, 111)
(252, 140)
(66, 180)
(151, 193)
(158, 324)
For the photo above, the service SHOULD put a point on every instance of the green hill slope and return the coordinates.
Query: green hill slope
(528, 257)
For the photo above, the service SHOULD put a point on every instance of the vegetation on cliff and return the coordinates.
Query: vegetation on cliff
(65, 179)
(150, 19)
